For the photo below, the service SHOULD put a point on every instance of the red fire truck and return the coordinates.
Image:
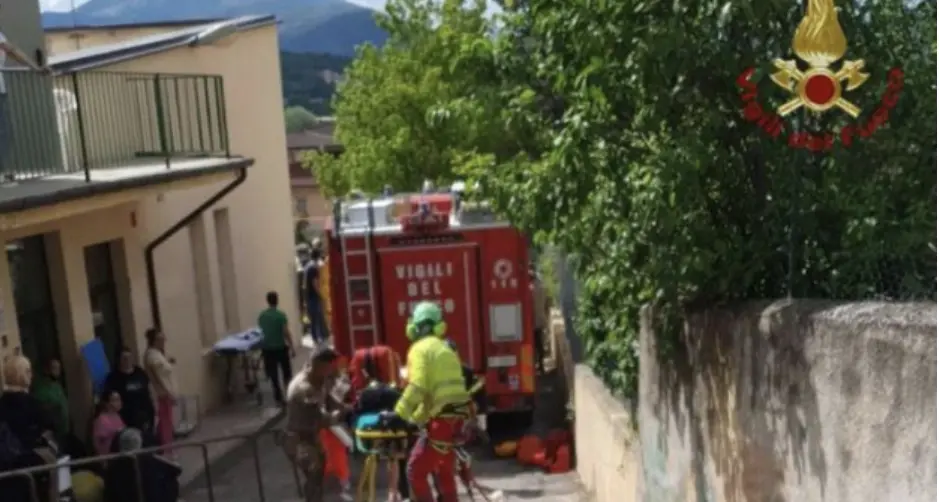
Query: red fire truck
(387, 254)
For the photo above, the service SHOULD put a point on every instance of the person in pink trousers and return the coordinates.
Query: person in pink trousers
(159, 368)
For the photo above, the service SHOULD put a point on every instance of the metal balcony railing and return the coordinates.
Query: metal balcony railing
(81, 122)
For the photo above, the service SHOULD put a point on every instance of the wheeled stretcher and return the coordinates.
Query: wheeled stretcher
(241, 348)
(379, 443)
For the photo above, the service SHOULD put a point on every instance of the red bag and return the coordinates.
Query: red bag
(531, 451)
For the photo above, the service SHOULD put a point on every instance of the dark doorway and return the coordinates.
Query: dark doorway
(32, 297)
(102, 291)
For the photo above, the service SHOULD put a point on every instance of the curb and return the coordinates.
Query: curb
(229, 458)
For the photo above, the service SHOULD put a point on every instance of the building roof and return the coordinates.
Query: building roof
(320, 137)
(130, 26)
(102, 55)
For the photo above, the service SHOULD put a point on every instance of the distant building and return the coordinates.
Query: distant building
(309, 204)
(143, 184)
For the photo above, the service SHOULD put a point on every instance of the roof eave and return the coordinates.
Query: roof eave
(124, 53)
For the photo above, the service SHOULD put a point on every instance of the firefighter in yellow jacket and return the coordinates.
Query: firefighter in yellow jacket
(435, 399)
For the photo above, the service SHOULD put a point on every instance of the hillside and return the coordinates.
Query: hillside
(323, 26)
(309, 80)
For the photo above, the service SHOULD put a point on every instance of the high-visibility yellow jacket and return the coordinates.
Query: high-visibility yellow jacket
(435, 382)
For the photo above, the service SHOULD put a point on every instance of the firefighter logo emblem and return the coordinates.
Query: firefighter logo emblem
(502, 271)
(814, 84)
(819, 42)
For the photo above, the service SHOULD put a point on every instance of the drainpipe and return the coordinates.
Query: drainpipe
(179, 225)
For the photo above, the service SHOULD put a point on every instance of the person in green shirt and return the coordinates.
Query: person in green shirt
(276, 346)
(48, 390)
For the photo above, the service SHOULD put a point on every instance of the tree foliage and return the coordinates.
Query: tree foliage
(666, 195)
(614, 130)
(398, 112)
(297, 119)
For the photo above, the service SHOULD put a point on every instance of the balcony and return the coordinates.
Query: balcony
(59, 132)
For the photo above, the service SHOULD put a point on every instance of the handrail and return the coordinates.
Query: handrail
(83, 121)
(52, 469)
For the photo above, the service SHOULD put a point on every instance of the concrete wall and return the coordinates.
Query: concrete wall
(66, 239)
(258, 214)
(804, 401)
(774, 402)
(21, 24)
(212, 276)
(318, 209)
(607, 445)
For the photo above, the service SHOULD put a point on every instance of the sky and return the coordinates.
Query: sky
(66, 5)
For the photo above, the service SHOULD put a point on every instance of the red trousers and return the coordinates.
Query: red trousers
(433, 454)
(337, 457)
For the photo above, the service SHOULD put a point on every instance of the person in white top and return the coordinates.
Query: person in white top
(159, 368)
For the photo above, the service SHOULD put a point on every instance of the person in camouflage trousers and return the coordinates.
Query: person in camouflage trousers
(310, 408)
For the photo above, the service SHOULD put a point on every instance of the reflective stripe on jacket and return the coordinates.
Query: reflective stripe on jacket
(435, 381)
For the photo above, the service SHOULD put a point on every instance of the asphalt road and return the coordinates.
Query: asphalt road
(239, 482)
(236, 479)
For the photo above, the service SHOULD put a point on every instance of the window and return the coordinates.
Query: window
(226, 270)
(32, 297)
(102, 293)
(203, 282)
(300, 208)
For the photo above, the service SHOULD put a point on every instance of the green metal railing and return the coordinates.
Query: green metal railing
(79, 122)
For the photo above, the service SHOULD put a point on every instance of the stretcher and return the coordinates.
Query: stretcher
(378, 443)
(391, 445)
(244, 348)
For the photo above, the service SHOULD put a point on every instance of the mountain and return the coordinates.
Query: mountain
(309, 80)
(324, 26)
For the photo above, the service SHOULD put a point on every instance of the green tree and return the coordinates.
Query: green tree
(648, 174)
(297, 119)
(411, 110)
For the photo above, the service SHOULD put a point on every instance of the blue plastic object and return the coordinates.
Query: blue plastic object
(97, 363)
(365, 421)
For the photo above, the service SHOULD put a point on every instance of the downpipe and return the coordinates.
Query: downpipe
(152, 290)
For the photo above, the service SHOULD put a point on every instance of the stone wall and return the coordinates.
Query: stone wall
(792, 401)
(771, 402)
(607, 444)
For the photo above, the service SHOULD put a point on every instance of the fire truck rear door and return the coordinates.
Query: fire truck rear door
(447, 274)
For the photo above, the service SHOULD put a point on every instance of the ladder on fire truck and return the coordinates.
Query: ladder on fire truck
(353, 306)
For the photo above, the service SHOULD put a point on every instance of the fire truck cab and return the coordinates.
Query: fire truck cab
(385, 255)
